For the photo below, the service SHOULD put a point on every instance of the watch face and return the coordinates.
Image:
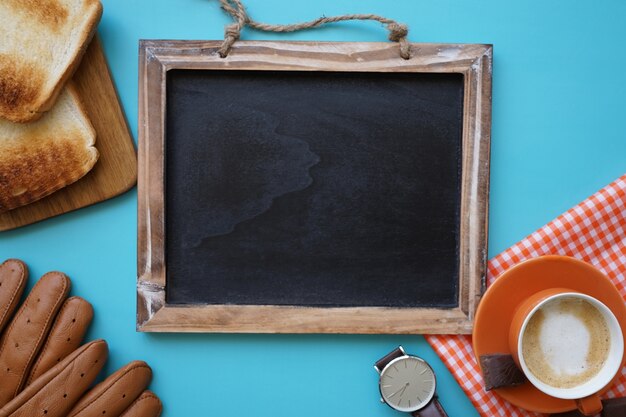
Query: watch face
(407, 383)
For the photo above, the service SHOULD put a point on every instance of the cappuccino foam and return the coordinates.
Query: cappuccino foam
(566, 342)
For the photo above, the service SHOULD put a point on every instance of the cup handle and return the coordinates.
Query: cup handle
(590, 405)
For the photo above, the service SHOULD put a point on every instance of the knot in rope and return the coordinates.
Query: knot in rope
(397, 31)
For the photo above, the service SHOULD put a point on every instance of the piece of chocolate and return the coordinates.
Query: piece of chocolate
(614, 407)
(500, 370)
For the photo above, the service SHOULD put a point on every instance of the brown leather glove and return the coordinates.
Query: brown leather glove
(44, 372)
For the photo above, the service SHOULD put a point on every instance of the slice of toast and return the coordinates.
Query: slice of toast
(41, 45)
(39, 158)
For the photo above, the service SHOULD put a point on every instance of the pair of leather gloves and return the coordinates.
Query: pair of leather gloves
(44, 370)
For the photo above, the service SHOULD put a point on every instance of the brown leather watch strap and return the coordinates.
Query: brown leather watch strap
(432, 409)
(382, 362)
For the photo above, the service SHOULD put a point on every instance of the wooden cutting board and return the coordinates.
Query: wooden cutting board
(116, 169)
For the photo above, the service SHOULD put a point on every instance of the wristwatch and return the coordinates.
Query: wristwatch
(407, 383)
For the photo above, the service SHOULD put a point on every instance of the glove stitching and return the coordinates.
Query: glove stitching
(16, 290)
(141, 398)
(19, 313)
(33, 371)
(43, 330)
(147, 397)
(110, 386)
(78, 354)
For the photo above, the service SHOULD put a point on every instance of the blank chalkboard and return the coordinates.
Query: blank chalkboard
(333, 190)
(313, 189)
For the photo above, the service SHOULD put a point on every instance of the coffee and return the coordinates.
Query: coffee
(566, 342)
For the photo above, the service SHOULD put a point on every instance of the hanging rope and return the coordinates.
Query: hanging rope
(397, 31)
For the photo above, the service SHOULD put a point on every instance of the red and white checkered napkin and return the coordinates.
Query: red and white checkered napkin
(593, 231)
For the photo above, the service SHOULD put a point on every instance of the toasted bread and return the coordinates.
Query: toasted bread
(39, 158)
(41, 45)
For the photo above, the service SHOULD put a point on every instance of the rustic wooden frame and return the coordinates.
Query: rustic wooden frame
(157, 57)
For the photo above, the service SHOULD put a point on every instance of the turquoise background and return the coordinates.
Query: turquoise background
(559, 134)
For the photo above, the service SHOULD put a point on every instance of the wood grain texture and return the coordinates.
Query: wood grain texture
(157, 57)
(283, 319)
(116, 170)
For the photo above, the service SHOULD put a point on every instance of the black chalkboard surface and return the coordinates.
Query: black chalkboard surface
(312, 187)
(331, 189)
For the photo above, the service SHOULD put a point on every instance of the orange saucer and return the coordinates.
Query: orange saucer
(496, 309)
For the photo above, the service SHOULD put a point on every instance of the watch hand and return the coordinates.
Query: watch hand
(401, 389)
